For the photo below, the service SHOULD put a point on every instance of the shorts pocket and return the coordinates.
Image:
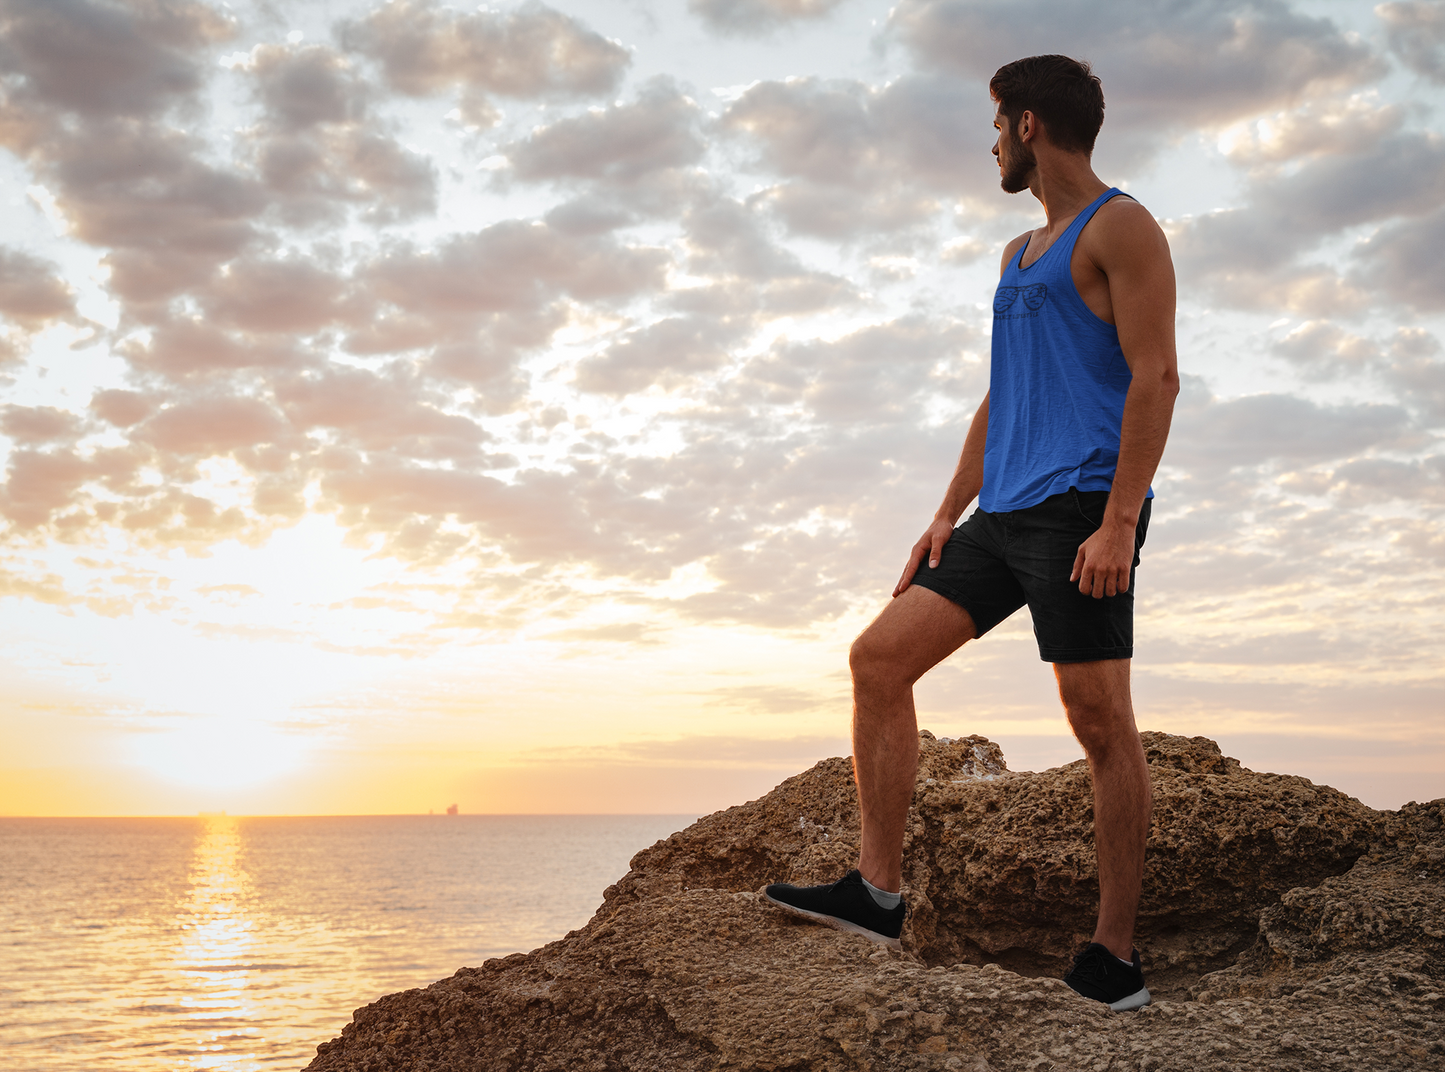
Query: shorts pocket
(1090, 505)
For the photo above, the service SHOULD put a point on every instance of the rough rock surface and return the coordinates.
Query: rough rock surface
(999, 867)
(1284, 925)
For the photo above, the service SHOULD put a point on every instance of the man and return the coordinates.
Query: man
(1060, 455)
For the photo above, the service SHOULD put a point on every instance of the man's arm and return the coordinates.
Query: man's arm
(1133, 254)
(962, 490)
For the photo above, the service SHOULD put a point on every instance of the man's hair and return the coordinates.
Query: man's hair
(1064, 93)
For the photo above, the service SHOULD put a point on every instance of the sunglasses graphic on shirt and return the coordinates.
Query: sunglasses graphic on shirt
(1033, 297)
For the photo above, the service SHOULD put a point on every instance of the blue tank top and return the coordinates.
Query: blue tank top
(1056, 384)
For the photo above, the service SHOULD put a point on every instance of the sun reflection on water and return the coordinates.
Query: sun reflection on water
(218, 944)
(217, 936)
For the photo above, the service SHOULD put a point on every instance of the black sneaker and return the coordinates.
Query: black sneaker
(846, 905)
(1100, 975)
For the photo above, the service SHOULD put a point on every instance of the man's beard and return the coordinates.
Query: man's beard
(1021, 161)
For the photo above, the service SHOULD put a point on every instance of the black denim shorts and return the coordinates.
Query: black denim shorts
(995, 563)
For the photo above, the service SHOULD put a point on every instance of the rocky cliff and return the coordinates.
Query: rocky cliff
(1283, 925)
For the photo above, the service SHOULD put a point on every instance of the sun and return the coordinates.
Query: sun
(220, 753)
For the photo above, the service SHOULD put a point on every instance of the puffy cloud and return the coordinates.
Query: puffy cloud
(275, 296)
(306, 87)
(863, 160)
(318, 149)
(589, 215)
(1401, 175)
(314, 178)
(963, 251)
(477, 302)
(176, 517)
(1323, 350)
(32, 425)
(636, 159)
(847, 133)
(376, 412)
(169, 219)
(187, 347)
(749, 17)
(667, 351)
(1369, 480)
(1165, 66)
(1424, 539)
(1410, 363)
(532, 51)
(1415, 367)
(1256, 430)
(619, 144)
(106, 59)
(31, 291)
(725, 238)
(512, 266)
(1351, 125)
(40, 484)
(1417, 34)
(841, 214)
(86, 87)
(169, 212)
(748, 274)
(122, 408)
(1404, 262)
(216, 425)
(1251, 256)
(32, 296)
(1247, 259)
(878, 373)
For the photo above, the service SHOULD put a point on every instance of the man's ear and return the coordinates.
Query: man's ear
(1028, 125)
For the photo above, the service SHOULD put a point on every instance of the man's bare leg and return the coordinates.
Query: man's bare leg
(1101, 714)
(915, 632)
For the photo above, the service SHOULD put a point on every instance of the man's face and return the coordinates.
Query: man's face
(1016, 160)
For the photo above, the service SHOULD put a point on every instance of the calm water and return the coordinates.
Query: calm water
(154, 945)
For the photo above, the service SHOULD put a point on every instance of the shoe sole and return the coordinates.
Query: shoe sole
(1132, 1002)
(843, 925)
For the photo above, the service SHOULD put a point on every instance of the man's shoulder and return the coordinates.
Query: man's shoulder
(1123, 226)
(1123, 211)
(1012, 248)
(1015, 244)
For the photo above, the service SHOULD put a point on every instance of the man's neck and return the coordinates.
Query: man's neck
(1065, 185)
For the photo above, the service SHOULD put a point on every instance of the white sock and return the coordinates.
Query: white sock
(883, 898)
(1121, 960)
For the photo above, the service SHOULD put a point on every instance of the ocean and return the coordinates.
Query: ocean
(233, 944)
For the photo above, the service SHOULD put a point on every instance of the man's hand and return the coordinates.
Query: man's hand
(1102, 565)
(930, 546)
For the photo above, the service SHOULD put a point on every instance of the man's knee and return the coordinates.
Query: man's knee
(915, 632)
(874, 664)
(1096, 698)
(866, 657)
(1101, 720)
(1100, 727)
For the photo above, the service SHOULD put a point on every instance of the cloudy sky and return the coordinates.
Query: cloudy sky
(523, 407)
